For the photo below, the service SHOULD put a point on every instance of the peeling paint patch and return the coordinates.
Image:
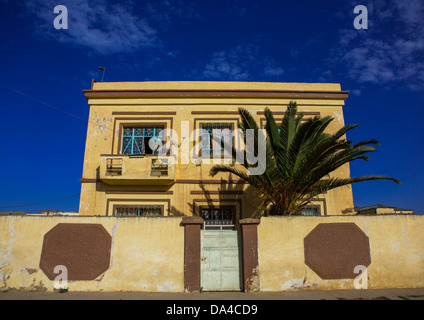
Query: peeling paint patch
(404, 236)
(293, 284)
(31, 270)
(99, 279)
(5, 266)
(364, 227)
(115, 226)
(397, 246)
(253, 282)
(167, 286)
(298, 283)
(37, 287)
(5, 272)
(12, 239)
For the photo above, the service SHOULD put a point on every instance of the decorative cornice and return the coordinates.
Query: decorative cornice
(90, 94)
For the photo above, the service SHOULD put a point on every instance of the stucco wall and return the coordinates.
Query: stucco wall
(147, 254)
(396, 245)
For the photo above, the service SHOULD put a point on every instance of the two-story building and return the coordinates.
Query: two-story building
(123, 175)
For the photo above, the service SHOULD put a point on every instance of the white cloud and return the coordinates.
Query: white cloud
(391, 50)
(100, 26)
(241, 63)
(164, 13)
(231, 65)
(272, 69)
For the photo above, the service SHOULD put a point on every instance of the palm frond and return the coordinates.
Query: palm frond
(300, 155)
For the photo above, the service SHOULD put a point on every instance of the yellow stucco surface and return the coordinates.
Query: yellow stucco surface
(396, 247)
(109, 114)
(147, 254)
(214, 85)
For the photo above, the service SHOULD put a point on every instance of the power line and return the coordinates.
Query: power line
(33, 204)
(42, 102)
(51, 106)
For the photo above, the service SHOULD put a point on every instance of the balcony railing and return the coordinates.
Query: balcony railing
(136, 170)
(159, 167)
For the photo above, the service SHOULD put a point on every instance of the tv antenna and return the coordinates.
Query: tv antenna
(103, 69)
(175, 142)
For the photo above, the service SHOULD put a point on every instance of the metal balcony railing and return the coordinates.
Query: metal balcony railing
(114, 166)
(159, 167)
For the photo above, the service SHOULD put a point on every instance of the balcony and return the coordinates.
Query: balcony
(136, 170)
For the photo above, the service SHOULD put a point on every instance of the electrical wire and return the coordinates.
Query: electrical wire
(70, 114)
(51, 106)
(34, 204)
(42, 102)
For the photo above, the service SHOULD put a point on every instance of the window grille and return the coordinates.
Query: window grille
(311, 211)
(139, 211)
(218, 216)
(217, 130)
(135, 140)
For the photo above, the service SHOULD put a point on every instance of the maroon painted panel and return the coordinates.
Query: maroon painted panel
(333, 250)
(84, 249)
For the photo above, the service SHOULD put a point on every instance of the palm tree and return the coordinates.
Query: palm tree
(299, 159)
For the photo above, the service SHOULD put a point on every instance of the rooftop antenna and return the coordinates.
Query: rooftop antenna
(329, 67)
(103, 69)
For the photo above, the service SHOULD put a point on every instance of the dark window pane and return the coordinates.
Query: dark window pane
(135, 140)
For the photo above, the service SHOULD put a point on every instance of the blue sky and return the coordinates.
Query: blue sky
(43, 72)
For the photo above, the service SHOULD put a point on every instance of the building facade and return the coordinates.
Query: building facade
(123, 175)
(382, 209)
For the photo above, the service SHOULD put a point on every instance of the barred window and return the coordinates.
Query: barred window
(139, 211)
(135, 140)
(219, 130)
(218, 216)
(311, 211)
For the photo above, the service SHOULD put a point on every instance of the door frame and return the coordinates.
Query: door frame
(249, 253)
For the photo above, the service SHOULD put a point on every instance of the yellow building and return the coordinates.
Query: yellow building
(381, 209)
(123, 175)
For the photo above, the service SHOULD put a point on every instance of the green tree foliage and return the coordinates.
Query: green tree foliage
(300, 157)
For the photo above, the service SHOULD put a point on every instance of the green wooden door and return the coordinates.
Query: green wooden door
(220, 265)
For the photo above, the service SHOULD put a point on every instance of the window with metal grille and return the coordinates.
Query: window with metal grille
(218, 216)
(311, 211)
(214, 132)
(139, 211)
(135, 140)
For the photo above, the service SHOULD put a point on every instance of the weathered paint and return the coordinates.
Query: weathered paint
(103, 136)
(220, 260)
(147, 254)
(396, 247)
